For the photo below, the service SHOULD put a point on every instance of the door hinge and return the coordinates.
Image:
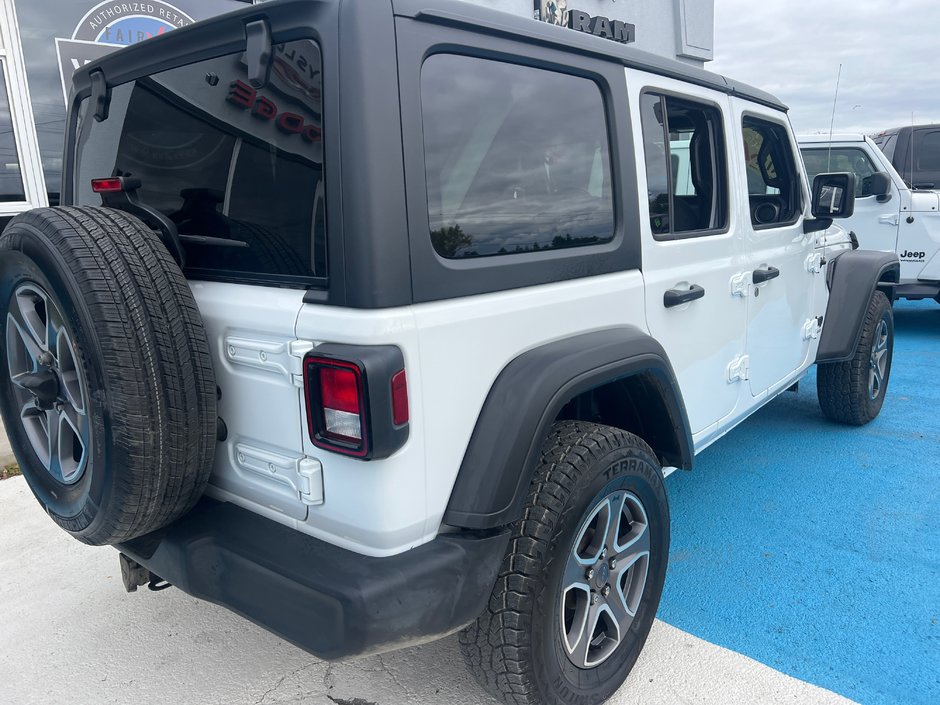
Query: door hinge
(811, 328)
(739, 368)
(741, 284)
(301, 474)
(310, 481)
(814, 263)
(274, 356)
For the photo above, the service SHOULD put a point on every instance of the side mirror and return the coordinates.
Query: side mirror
(834, 195)
(880, 186)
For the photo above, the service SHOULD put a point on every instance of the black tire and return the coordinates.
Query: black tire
(847, 391)
(516, 648)
(140, 353)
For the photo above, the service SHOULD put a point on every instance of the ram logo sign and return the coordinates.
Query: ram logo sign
(557, 12)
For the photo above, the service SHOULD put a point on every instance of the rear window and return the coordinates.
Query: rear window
(517, 158)
(241, 166)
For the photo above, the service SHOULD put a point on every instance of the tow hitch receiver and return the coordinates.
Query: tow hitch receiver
(134, 575)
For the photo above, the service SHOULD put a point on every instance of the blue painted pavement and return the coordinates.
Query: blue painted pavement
(815, 548)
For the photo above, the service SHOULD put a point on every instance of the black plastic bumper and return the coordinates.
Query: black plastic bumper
(327, 600)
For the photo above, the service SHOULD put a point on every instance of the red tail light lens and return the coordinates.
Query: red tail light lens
(336, 405)
(341, 401)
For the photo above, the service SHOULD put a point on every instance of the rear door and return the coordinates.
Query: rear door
(778, 251)
(691, 247)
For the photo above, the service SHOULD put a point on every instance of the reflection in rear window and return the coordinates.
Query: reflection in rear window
(223, 160)
(517, 158)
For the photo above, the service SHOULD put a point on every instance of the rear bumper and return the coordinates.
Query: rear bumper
(332, 602)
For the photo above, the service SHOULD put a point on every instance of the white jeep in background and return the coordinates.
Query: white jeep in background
(379, 321)
(889, 214)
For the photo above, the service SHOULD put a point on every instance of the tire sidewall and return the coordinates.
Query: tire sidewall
(621, 469)
(28, 256)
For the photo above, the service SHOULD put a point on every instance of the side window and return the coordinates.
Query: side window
(684, 153)
(928, 156)
(517, 160)
(773, 181)
(819, 160)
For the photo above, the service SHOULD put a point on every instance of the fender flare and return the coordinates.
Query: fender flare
(852, 278)
(526, 398)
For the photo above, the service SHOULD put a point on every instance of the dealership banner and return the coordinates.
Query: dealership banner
(59, 36)
(111, 25)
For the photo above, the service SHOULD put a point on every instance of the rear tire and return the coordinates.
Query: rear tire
(551, 635)
(853, 391)
(106, 384)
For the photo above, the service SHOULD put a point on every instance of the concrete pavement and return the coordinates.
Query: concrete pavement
(6, 453)
(69, 634)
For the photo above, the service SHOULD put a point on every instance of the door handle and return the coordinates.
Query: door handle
(890, 219)
(759, 276)
(674, 297)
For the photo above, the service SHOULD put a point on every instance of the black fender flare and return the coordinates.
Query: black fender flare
(526, 398)
(852, 278)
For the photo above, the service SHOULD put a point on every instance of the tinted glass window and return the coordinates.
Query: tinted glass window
(928, 157)
(887, 143)
(819, 160)
(685, 165)
(11, 178)
(222, 160)
(517, 158)
(773, 181)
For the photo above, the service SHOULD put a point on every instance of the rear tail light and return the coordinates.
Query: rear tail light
(357, 399)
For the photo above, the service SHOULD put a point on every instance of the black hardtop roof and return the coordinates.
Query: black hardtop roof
(893, 130)
(451, 12)
(467, 14)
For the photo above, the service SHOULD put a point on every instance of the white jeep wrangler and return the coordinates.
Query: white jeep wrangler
(889, 215)
(379, 321)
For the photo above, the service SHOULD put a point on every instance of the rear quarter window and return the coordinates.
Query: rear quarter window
(517, 158)
(240, 166)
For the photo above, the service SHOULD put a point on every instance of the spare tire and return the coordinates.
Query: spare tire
(106, 384)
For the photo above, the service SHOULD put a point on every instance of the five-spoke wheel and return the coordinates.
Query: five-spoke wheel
(48, 383)
(604, 578)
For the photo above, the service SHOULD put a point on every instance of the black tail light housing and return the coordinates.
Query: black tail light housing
(357, 399)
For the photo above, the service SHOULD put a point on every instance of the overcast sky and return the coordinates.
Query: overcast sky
(889, 51)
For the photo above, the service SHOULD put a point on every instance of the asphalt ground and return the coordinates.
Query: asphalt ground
(804, 568)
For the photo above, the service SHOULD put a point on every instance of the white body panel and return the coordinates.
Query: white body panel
(453, 352)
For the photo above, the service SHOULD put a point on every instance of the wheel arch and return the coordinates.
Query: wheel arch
(852, 278)
(583, 377)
